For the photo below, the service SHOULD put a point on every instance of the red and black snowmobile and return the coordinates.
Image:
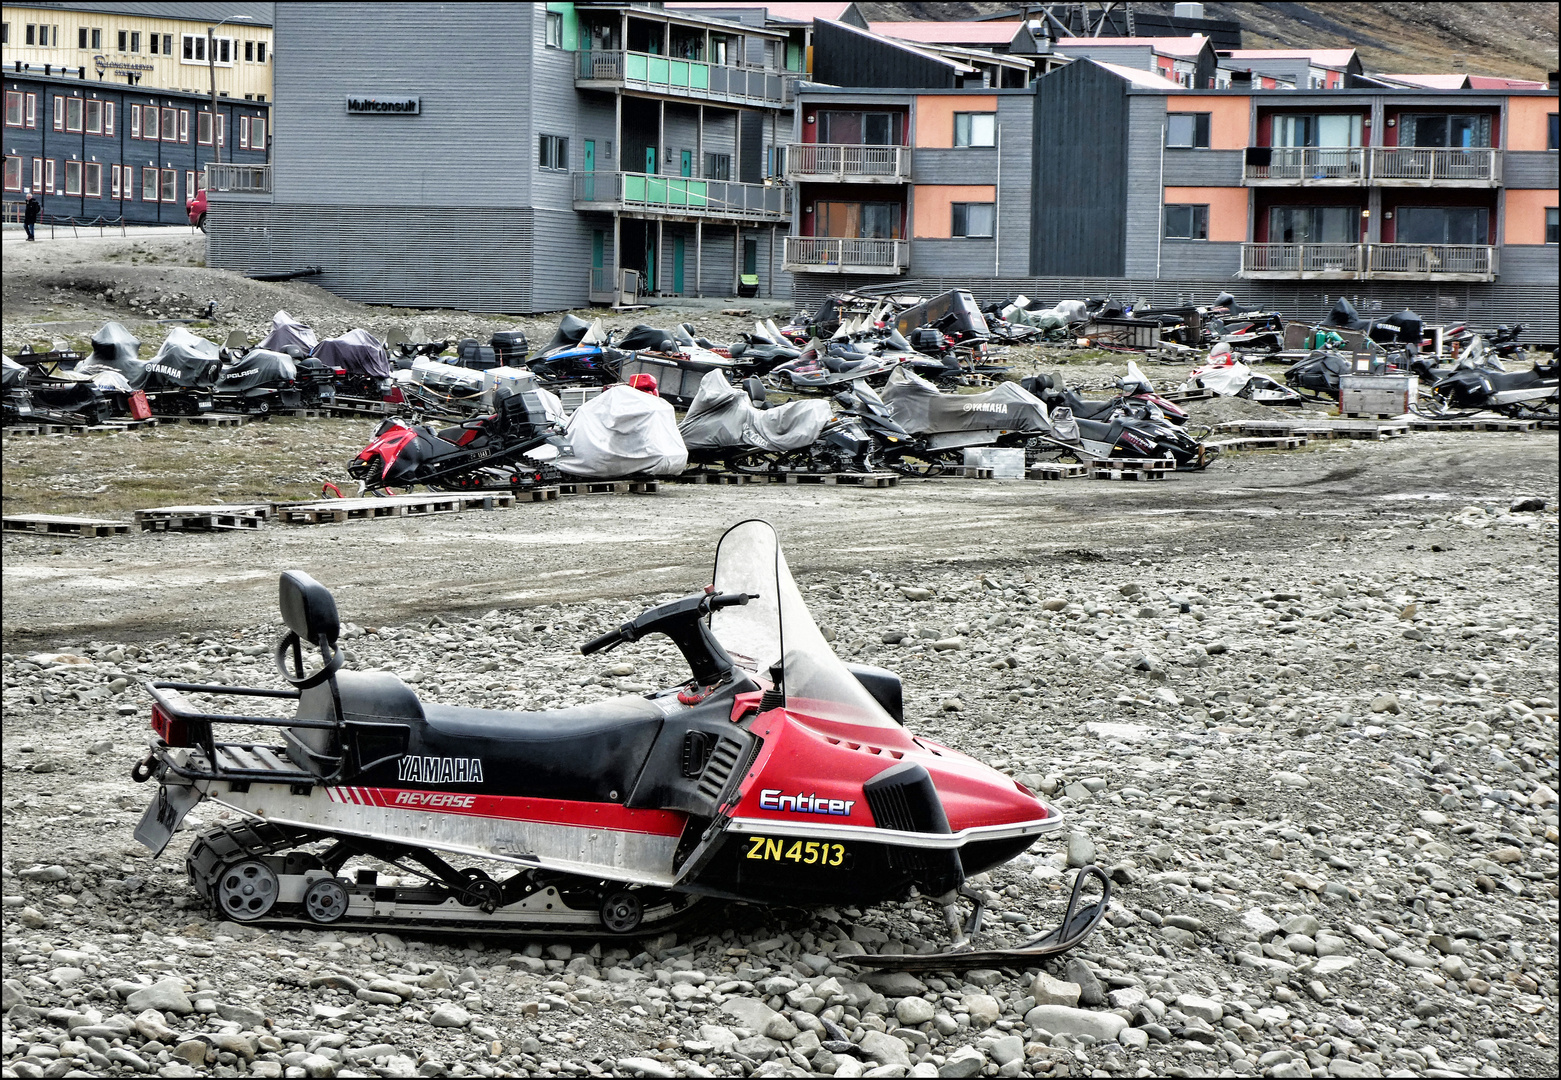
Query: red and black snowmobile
(776, 774)
(508, 449)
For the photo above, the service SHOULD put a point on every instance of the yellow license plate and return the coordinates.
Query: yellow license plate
(801, 852)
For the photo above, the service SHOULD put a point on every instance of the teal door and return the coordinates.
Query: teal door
(590, 166)
(650, 161)
(688, 163)
(598, 246)
(677, 258)
(650, 259)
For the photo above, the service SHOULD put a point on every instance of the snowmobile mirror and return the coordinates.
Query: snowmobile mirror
(308, 608)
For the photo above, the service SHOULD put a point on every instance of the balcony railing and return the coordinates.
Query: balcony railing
(1417, 165)
(842, 163)
(1407, 262)
(1391, 166)
(1309, 165)
(238, 179)
(680, 78)
(845, 255)
(682, 196)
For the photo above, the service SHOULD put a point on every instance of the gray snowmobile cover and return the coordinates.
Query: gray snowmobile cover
(15, 374)
(259, 369)
(922, 410)
(723, 417)
(286, 331)
(184, 358)
(113, 343)
(358, 352)
(623, 432)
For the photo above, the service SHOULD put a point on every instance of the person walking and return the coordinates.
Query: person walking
(34, 209)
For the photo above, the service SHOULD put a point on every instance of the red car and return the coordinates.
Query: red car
(196, 208)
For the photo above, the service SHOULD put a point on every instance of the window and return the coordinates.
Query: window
(249, 52)
(135, 41)
(184, 126)
(1461, 130)
(135, 121)
(108, 118)
(859, 128)
(148, 184)
(718, 166)
(1552, 225)
(1186, 222)
(195, 48)
(124, 40)
(32, 110)
(257, 133)
(553, 152)
(868, 221)
(113, 182)
(167, 44)
(75, 113)
(48, 174)
(189, 183)
(5, 33)
(973, 219)
(554, 35)
(37, 174)
(59, 114)
(224, 47)
(81, 38)
(170, 126)
(1314, 225)
(1187, 130)
(260, 52)
(13, 174)
(1328, 129)
(93, 179)
(95, 117)
(775, 161)
(13, 108)
(73, 178)
(975, 129)
(1553, 141)
(170, 185)
(152, 43)
(1443, 225)
(203, 128)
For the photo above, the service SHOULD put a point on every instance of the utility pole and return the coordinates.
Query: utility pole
(211, 66)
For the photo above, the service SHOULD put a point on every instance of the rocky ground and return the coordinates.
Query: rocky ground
(1323, 781)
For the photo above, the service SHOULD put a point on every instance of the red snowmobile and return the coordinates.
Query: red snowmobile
(776, 774)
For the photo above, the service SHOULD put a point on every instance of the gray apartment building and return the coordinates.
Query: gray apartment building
(518, 157)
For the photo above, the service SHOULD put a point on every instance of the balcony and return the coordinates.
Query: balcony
(228, 179)
(682, 197)
(649, 73)
(1384, 166)
(845, 255)
(1368, 262)
(837, 163)
(1418, 166)
(1305, 166)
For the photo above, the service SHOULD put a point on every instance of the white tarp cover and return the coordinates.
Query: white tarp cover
(624, 432)
(723, 417)
(922, 409)
(1227, 380)
(285, 330)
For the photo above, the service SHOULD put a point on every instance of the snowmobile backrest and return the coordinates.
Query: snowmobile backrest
(308, 608)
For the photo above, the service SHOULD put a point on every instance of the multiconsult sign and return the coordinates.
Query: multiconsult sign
(378, 106)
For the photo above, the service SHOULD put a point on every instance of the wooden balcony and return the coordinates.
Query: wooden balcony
(1383, 166)
(1368, 262)
(682, 197)
(839, 163)
(1305, 166)
(845, 255)
(1418, 166)
(669, 76)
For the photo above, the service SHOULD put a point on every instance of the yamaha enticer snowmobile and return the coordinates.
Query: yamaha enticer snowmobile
(776, 774)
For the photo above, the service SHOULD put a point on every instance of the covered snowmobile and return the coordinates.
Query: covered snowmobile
(258, 381)
(361, 361)
(1006, 415)
(774, 774)
(723, 425)
(177, 380)
(623, 432)
(289, 336)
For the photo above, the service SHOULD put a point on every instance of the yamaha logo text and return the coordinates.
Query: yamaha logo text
(772, 799)
(440, 770)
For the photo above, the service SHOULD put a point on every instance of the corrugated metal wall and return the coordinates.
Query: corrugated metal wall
(1077, 197)
(476, 259)
(1480, 304)
(1141, 220)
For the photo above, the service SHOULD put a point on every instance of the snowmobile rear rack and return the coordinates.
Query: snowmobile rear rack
(197, 727)
(1077, 924)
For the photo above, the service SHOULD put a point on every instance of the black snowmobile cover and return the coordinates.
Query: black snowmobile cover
(259, 369)
(647, 337)
(358, 352)
(1411, 327)
(571, 329)
(1345, 315)
(184, 359)
(113, 344)
(15, 374)
(921, 409)
(952, 312)
(286, 331)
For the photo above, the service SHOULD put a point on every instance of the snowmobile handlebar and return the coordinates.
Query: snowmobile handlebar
(650, 621)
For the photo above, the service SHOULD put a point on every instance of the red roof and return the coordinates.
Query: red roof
(950, 33)
(1166, 46)
(1432, 82)
(1497, 82)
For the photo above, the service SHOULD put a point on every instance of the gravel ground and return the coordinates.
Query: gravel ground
(1302, 707)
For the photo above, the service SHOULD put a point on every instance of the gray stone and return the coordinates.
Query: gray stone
(913, 1010)
(964, 1062)
(1008, 1048)
(450, 1015)
(1061, 1020)
(164, 996)
(45, 873)
(243, 1015)
(749, 1012)
(1081, 850)
(885, 1049)
(1302, 924)
(1091, 993)
(1204, 1008)
(780, 1029)
(983, 1009)
(895, 984)
(1049, 991)
(14, 993)
(643, 1066)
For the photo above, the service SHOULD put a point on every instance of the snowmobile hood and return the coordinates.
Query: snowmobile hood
(358, 352)
(955, 310)
(285, 330)
(184, 358)
(257, 368)
(1344, 314)
(922, 409)
(623, 432)
(114, 345)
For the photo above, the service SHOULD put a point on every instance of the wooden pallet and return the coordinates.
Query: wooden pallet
(218, 419)
(609, 487)
(342, 407)
(1200, 394)
(967, 472)
(38, 429)
(1131, 468)
(1374, 416)
(1473, 423)
(304, 414)
(873, 480)
(541, 494)
(1326, 428)
(1271, 442)
(1056, 471)
(59, 525)
(717, 478)
(202, 518)
(113, 427)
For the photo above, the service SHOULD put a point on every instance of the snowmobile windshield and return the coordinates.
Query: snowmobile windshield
(777, 628)
(646, 337)
(1135, 381)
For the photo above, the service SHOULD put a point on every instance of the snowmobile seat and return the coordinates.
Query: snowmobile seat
(590, 753)
(308, 608)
